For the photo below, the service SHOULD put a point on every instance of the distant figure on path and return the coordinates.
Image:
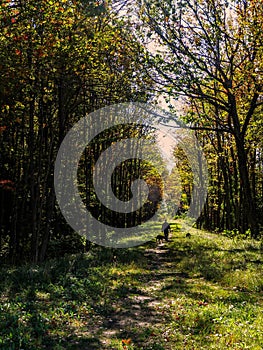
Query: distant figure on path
(166, 228)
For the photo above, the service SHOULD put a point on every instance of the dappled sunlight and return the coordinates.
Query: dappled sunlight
(194, 291)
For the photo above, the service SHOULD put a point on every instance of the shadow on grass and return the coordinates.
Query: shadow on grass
(43, 301)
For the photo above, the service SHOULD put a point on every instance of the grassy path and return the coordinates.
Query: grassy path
(203, 292)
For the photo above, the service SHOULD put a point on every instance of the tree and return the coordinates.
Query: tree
(211, 54)
(58, 62)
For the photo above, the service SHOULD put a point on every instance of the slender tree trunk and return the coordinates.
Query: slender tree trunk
(249, 214)
(249, 207)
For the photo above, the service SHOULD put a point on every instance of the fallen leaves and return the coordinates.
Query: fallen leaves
(126, 342)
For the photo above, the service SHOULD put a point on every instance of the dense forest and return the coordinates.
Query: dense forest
(61, 60)
(211, 57)
(133, 124)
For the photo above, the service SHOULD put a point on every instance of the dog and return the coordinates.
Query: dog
(160, 238)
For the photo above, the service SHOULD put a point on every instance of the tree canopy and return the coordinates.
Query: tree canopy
(59, 61)
(210, 58)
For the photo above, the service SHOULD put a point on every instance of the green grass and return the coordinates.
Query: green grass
(205, 292)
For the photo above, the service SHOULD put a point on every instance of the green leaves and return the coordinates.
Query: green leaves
(59, 60)
(211, 54)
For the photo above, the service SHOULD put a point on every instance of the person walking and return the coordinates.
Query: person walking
(166, 228)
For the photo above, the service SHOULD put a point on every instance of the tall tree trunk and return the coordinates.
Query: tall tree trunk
(249, 207)
(250, 220)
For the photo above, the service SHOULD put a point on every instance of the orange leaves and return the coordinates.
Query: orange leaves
(3, 128)
(7, 185)
(21, 38)
(39, 52)
(202, 303)
(15, 13)
(126, 342)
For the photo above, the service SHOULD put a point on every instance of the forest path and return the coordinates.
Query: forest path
(144, 308)
(185, 294)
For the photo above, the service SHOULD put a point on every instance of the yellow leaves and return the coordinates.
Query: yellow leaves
(70, 20)
(45, 98)
(19, 105)
(5, 109)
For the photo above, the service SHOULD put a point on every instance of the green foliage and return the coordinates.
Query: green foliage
(93, 7)
(236, 234)
(59, 61)
(203, 292)
(69, 243)
(209, 59)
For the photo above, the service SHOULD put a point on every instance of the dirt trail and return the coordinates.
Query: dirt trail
(143, 308)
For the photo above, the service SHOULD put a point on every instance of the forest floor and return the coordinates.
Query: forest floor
(202, 292)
